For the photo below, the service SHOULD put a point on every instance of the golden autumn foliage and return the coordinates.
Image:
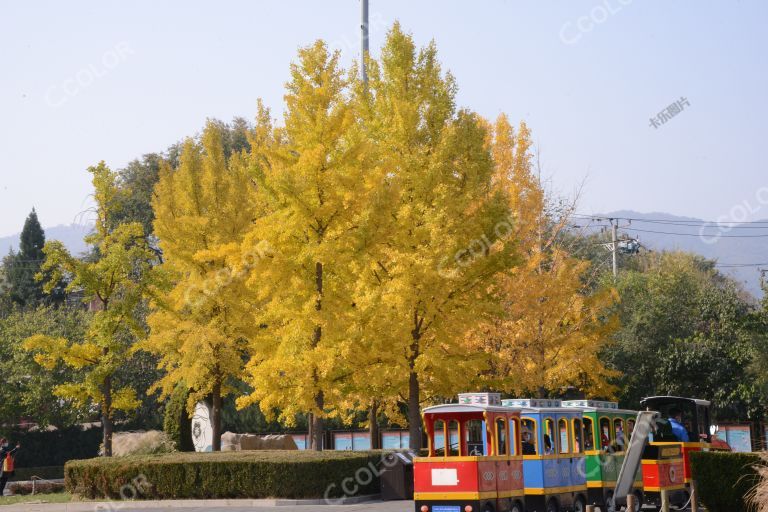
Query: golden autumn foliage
(428, 282)
(202, 211)
(553, 325)
(321, 198)
(380, 248)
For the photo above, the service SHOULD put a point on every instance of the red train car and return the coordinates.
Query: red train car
(475, 461)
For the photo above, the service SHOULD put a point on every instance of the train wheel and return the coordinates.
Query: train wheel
(488, 508)
(516, 507)
(638, 501)
(610, 505)
(552, 506)
(580, 505)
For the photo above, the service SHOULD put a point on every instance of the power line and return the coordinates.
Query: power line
(740, 265)
(695, 234)
(684, 222)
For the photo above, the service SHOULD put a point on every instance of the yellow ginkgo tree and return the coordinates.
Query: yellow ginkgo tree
(554, 322)
(202, 210)
(114, 280)
(321, 190)
(428, 282)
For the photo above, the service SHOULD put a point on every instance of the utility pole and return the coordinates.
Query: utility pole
(364, 39)
(615, 246)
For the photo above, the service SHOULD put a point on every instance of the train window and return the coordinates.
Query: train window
(562, 428)
(439, 429)
(589, 434)
(475, 434)
(501, 437)
(605, 433)
(453, 438)
(514, 438)
(528, 435)
(578, 436)
(549, 437)
(630, 427)
(618, 428)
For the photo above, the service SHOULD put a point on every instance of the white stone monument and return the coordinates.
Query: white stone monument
(202, 428)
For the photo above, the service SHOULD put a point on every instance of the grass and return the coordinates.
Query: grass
(57, 497)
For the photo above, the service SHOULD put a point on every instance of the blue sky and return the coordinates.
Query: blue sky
(86, 81)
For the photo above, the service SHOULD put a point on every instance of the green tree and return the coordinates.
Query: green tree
(26, 391)
(115, 284)
(685, 329)
(22, 267)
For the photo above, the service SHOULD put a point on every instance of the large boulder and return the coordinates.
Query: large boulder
(230, 442)
(237, 442)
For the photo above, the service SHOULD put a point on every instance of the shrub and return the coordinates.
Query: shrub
(252, 474)
(176, 422)
(723, 479)
(140, 443)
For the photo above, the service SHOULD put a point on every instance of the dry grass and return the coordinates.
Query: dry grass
(758, 496)
(141, 443)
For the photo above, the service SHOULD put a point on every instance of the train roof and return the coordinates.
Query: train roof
(697, 401)
(596, 406)
(453, 408)
(538, 410)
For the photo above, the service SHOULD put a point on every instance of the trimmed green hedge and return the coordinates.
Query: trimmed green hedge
(251, 474)
(723, 479)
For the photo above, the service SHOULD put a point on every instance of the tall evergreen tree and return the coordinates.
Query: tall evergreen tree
(22, 267)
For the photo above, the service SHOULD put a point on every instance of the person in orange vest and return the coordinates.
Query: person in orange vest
(7, 461)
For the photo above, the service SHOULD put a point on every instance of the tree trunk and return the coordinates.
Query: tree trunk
(373, 425)
(310, 425)
(317, 416)
(414, 387)
(216, 416)
(106, 417)
(317, 424)
(414, 416)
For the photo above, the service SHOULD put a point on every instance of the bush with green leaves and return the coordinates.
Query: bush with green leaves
(252, 474)
(724, 479)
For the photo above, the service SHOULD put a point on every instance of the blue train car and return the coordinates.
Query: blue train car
(553, 455)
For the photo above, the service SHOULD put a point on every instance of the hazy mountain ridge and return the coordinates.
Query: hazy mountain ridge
(70, 235)
(653, 235)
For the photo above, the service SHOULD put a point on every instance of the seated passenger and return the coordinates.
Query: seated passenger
(605, 439)
(548, 450)
(676, 422)
(528, 446)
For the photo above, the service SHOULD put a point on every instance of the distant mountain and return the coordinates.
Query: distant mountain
(656, 231)
(71, 236)
(737, 248)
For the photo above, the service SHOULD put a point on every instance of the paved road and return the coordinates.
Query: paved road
(370, 506)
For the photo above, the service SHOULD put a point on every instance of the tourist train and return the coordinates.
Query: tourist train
(485, 454)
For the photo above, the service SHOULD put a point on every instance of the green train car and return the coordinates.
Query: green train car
(606, 431)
